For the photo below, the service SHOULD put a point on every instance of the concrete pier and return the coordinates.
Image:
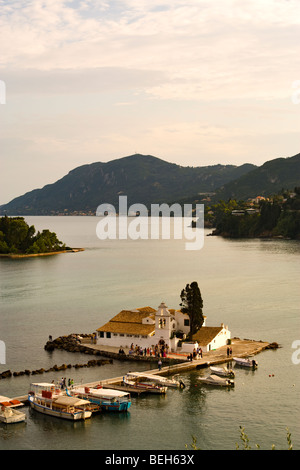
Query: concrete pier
(240, 348)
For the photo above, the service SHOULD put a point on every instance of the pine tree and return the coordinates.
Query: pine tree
(192, 304)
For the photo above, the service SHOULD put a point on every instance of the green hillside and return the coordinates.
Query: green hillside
(266, 180)
(143, 179)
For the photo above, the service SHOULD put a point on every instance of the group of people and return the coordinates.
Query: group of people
(63, 383)
(155, 351)
(196, 354)
(229, 351)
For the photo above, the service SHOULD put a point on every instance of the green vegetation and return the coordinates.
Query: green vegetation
(17, 237)
(192, 304)
(278, 216)
(245, 442)
(265, 180)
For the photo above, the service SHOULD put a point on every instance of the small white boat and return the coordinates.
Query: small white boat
(245, 362)
(222, 372)
(158, 379)
(107, 399)
(215, 380)
(46, 399)
(145, 382)
(10, 415)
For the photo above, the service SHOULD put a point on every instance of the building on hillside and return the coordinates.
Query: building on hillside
(147, 327)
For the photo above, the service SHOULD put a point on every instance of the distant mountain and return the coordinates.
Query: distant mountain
(266, 180)
(143, 179)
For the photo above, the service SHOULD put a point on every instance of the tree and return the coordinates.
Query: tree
(192, 304)
(16, 236)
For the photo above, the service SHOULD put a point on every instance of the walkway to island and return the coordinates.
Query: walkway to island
(240, 348)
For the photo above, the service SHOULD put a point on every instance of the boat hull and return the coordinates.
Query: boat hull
(109, 406)
(13, 419)
(216, 381)
(245, 363)
(146, 387)
(222, 372)
(76, 416)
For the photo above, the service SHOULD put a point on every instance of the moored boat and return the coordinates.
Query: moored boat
(10, 415)
(215, 380)
(158, 379)
(140, 381)
(246, 362)
(222, 372)
(107, 399)
(46, 399)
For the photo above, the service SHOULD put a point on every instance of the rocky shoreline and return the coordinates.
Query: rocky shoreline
(67, 343)
(35, 255)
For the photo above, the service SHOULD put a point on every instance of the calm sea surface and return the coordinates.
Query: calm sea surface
(252, 286)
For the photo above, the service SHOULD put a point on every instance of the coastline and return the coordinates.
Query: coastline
(34, 255)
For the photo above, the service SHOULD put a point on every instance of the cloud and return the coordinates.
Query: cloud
(190, 81)
(198, 49)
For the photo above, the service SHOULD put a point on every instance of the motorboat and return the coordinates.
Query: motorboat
(246, 362)
(222, 371)
(143, 382)
(46, 399)
(107, 399)
(173, 382)
(10, 415)
(216, 380)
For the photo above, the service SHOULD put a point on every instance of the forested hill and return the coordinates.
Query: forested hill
(266, 180)
(144, 179)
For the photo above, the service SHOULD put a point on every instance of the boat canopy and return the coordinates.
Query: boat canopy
(101, 392)
(42, 384)
(70, 401)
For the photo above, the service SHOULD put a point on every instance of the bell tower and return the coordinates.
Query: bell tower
(163, 324)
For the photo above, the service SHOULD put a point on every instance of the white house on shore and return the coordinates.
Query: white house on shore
(147, 327)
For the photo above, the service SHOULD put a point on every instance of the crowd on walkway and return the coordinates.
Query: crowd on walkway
(196, 354)
(159, 350)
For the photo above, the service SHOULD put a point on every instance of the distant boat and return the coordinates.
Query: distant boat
(107, 399)
(145, 382)
(246, 362)
(222, 371)
(215, 380)
(46, 399)
(9, 415)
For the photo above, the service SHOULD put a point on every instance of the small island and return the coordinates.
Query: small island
(18, 239)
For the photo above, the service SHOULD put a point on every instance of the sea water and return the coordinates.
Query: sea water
(250, 285)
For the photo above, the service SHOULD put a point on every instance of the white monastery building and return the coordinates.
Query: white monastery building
(147, 327)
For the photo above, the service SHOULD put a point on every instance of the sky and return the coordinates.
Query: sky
(193, 82)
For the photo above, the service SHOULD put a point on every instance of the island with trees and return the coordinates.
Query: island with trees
(18, 239)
